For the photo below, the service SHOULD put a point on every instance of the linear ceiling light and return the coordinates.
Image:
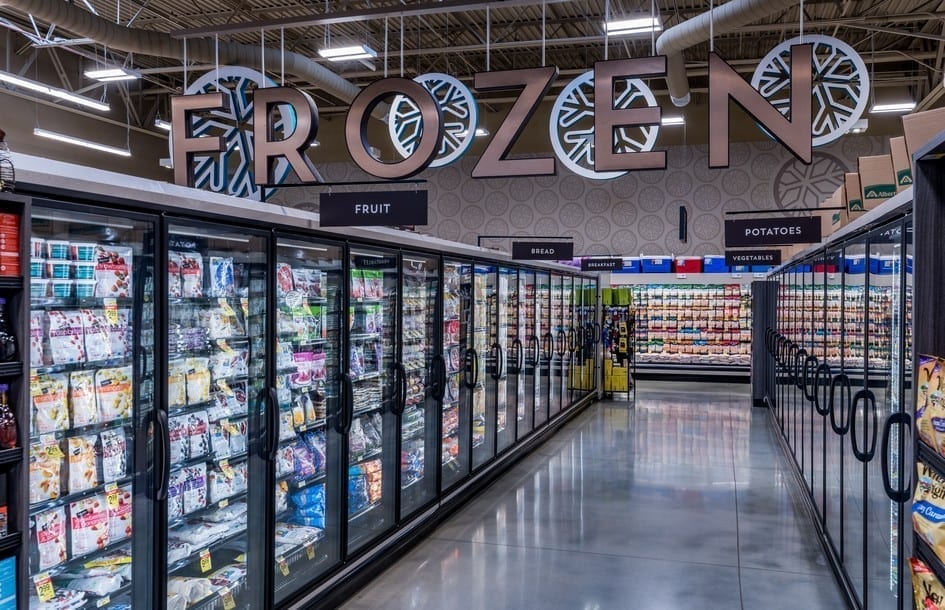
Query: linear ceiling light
(61, 137)
(108, 75)
(62, 94)
(160, 124)
(361, 51)
(672, 120)
(626, 27)
(481, 132)
(890, 108)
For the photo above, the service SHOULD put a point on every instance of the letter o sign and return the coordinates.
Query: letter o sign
(356, 126)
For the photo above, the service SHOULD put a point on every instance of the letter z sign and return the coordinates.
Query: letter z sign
(772, 232)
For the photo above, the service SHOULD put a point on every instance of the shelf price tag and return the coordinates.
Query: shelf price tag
(283, 565)
(224, 503)
(205, 565)
(103, 602)
(111, 496)
(228, 602)
(52, 447)
(310, 551)
(44, 587)
(111, 309)
(226, 307)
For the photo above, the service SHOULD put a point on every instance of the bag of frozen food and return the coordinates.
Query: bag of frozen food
(357, 490)
(198, 432)
(176, 383)
(66, 337)
(46, 459)
(119, 332)
(198, 380)
(174, 286)
(284, 283)
(285, 461)
(300, 279)
(239, 432)
(310, 505)
(286, 428)
(928, 592)
(191, 274)
(114, 455)
(316, 280)
(119, 513)
(303, 375)
(316, 445)
(88, 525)
(37, 338)
(229, 576)
(191, 589)
(83, 469)
(114, 393)
(50, 406)
(96, 585)
(82, 398)
(357, 441)
(296, 535)
(222, 283)
(282, 497)
(219, 441)
(113, 271)
(175, 494)
(179, 437)
(195, 488)
(95, 328)
(230, 361)
(229, 513)
(50, 536)
(928, 508)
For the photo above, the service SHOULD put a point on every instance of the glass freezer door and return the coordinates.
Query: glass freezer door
(217, 284)
(454, 415)
(505, 322)
(420, 382)
(92, 362)
(370, 398)
(309, 280)
(484, 420)
(559, 344)
(568, 340)
(546, 346)
(528, 379)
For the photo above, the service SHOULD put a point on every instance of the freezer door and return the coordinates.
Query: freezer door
(506, 323)
(543, 332)
(370, 405)
(421, 376)
(216, 401)
(92, 362)
(559, 344)
(487, 360)
(455, 424)
(528, 379)
(308, 462)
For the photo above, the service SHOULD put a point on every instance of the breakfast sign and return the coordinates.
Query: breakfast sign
(612, 116)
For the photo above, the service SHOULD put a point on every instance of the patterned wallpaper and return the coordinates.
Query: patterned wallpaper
(637, 213)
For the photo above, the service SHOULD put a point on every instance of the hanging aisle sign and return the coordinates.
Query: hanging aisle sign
(601, 264)
(542, 250)
(772, 232)
(374, 209)
(737, 258)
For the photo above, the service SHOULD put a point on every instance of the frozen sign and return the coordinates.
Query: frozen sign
(603, 124)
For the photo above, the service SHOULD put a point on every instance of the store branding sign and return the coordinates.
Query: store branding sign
(373, 209)
(601, 264)
(736, 258)
(603, 107)
(772, 232)
(542, 250)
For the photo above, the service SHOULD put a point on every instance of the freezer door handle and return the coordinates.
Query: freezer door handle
(471, 372)
(547, 346)
(810, 366)
(800, 366)
(870, 425)
(822, 389)
(346, 405)
(597, 329)
(162, 456)
(843, 382)
(401, 377)
(572, 340)
(439, 375)
(272, 423)
(896, 495)
(519, 350)
(560, 340)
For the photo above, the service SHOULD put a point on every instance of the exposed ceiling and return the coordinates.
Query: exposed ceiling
(902, 41)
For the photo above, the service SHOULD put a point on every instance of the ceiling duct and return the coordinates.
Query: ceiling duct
(68, 16)
(722, 19)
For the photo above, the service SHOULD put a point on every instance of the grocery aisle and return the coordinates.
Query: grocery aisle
(680, 501)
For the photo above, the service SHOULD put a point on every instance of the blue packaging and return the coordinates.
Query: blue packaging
(656, 264)
(714, 263)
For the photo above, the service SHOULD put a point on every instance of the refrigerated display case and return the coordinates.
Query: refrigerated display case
(501, 323)
(839, 398)
(531, 351)
(455, 433)
(543, 333)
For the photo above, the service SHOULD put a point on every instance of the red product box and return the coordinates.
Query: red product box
(824, 268)
(10, 220)
(688, 264)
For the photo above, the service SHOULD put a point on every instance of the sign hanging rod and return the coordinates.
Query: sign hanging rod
(745, 212)
(479, 238)
(353, 183)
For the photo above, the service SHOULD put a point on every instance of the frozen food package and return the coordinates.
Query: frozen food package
(928, 508)
(310, 505)
(286, 427)
(357, 284)
(37, 336)
(319, 367)
(316, 444)
(357, 442)
(113, 271)
(303, 375)
(175, 495)
(176, 383)
(50, 534)
(927, 590)
(119, 513)
(66, 337)
(219, 441)
(198, 433)
(83, 467)
(88, 525)
(119, 332)
(98, 346)
(230, 361)
(290, 533)
(300, 278)
(114, 393)
(46, 459)
(220, 322)
(229, 576)
(191, 274)
(179, 437)
(114, 455)
(82, 398)
(99, 586)
(50, 402)
(191, 589)
(239, 431)
(174, 285)
(285, 460)
(316, 283)
(282, 497)
(284, 283)
(198, 380)
(195, 488)
(231, 512)
(177, 551)
(222, 283)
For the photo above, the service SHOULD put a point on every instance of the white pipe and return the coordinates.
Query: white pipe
(722, 19)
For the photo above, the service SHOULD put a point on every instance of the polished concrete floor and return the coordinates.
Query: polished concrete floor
(677, 499)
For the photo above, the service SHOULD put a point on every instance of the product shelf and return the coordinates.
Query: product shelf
(105, 600)
(362, 337)
(9, 543)
(216, 545)
(297, 484)
(76, 563)
(83, 430)
(212, 459)
(212, 506)
(63, 500)
(364, 457)
(81, 302)
(411, 483)
(81, 366)
(215, 601)
(364, 511)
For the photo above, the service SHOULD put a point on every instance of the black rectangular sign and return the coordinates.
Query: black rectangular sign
(379, 208)
(542, 250)
(735, 258)
(772, 232)
(375, 262)
(601, 264)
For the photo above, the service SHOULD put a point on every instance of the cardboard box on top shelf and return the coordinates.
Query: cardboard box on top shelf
(877, 180)
(920, 127)
(902, 167)
(832, 220)
(852, 194)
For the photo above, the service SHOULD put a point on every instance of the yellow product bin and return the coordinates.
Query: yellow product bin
(582, 376)
(615, 378)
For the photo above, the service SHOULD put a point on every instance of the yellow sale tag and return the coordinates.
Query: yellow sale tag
(283, 566)
(310, 551)
(224, 346)
(228, 602)
(224, 503)
(225, 306)
(284, 485)
(205, 565)
(111, 310)
(227, 469)
(111, 496)
(224, 387)
(44, 587)
(103, 602)
(52, 447)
